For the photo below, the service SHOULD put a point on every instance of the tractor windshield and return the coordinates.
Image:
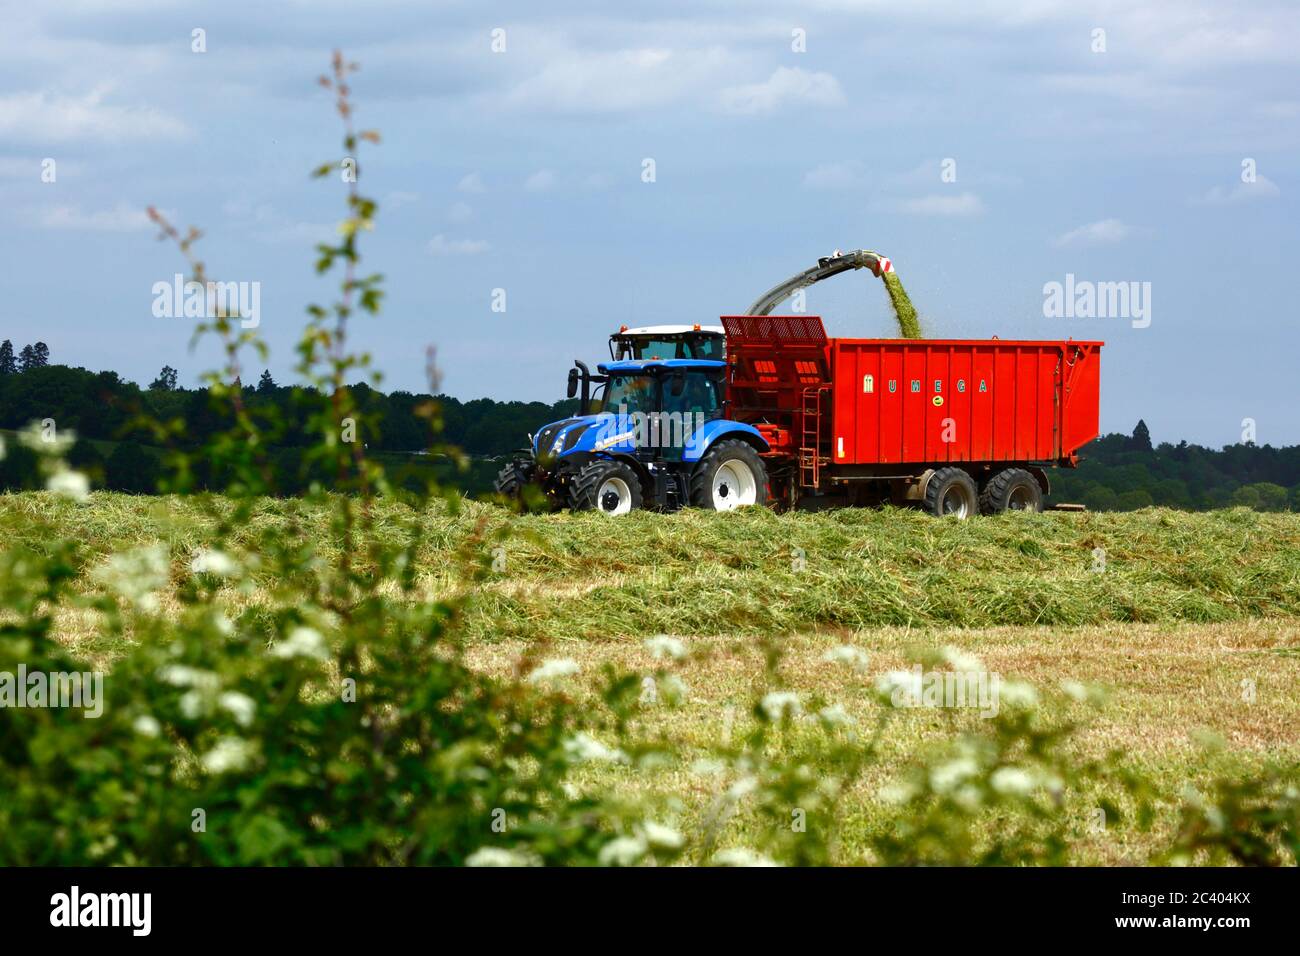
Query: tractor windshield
(626, 394)
(696, 345)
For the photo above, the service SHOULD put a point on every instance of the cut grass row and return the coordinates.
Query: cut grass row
(567, 576)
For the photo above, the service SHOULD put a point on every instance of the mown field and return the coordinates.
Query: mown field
(1191, 621)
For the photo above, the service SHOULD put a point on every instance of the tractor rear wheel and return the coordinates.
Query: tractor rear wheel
(1013, 489)
(951, 493)
(610, 487)
(729, 476)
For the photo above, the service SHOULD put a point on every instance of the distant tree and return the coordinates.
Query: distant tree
(19, 468)
(1141, 440)
(26, 359)
(131, 468)
(85, 457)
(166, 380)
(8, 365)
(265, 384)
(1261, 496)
(40, 355)
(1133, 500)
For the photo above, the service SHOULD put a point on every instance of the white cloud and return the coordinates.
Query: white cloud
(540, 181)
(123, 217)
(471, 183)
(398, 199)
(964, 204)
(785, 87)
(264, 224)
(53, 118)
(1098, 233)
(576, 81)
(440, 245)
(845, 175)
(1261, 188)
(305, 232)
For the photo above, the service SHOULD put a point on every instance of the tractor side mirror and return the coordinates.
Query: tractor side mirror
(677, 385)
(573, 382)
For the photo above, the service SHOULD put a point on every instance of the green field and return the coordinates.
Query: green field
(1190, 621)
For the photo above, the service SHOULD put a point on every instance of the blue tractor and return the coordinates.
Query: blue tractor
(656, 436)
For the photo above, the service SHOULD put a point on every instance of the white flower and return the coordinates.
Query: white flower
(498, 856)
(136, 574)
(968, 797)
(657, 834)
(947, 776)
(959, 660)
(622, 851)
(193, 704)
(779, 703)
(69, 484)
(673, 688)
(146, 725)
(553, 670)
(229, 754)
(661, 645)
(899, 687)
(582, 747)
(302, 642)
(179, 675)
(213, 562)
(901, 791)
(49, 441)
(1075, 689)
(1017, 693)
(1015, 781)
(241, 706)
(741, 856)
(742, 787)
(848, 655)
(835, 716)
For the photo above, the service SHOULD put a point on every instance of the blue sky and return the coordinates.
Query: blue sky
(522, 170)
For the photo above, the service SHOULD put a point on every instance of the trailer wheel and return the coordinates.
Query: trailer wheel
(1013, 489)
(729, 476)
(610, 487)
(951, 493)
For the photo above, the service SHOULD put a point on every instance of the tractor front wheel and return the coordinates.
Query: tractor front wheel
(951, 493)
(512, 479)
(730, 475)
(610, 487)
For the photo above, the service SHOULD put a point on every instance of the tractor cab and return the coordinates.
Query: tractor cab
(651, 342)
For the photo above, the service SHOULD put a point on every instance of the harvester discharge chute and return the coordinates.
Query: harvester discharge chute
(833, 265)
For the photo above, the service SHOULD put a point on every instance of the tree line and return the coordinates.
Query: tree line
(1119, 472)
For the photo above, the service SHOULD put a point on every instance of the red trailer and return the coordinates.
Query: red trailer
(955, 425)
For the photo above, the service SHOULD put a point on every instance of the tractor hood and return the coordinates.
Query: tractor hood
(597, 432)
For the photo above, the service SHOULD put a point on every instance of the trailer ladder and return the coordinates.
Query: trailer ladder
(810, 427)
